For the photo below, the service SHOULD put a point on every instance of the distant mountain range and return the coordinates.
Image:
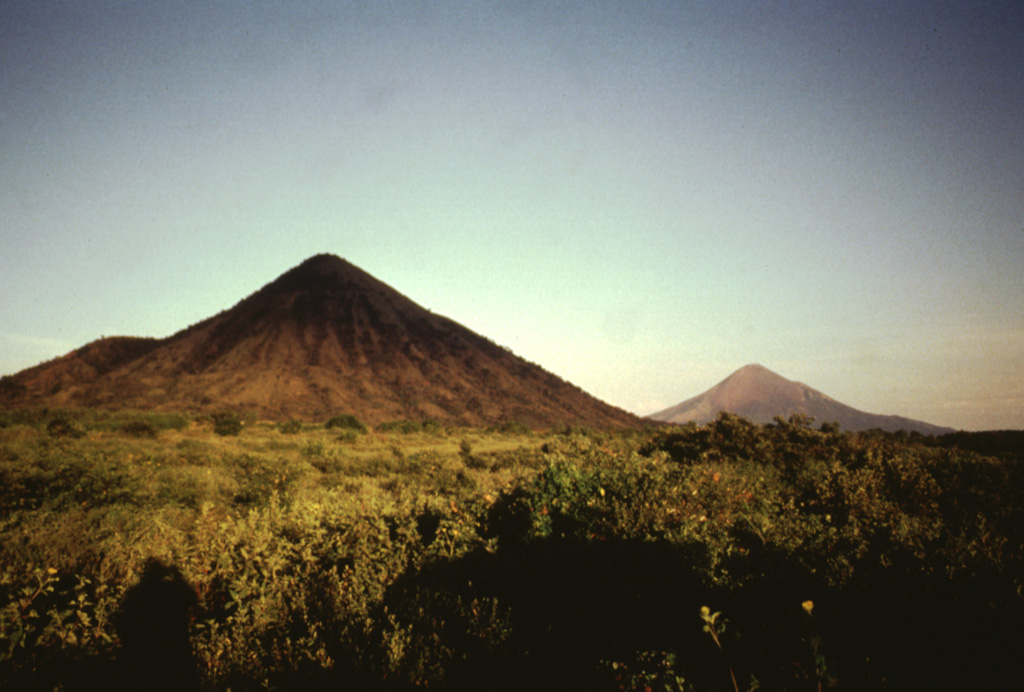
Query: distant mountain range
(326, 338)
(758, 394)
(323, 338)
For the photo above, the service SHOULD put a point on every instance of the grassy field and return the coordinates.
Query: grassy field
(148, 551)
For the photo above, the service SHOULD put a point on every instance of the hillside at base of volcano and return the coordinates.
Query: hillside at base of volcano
(323, 338)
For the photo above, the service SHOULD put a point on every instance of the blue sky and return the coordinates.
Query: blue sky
(639, 196)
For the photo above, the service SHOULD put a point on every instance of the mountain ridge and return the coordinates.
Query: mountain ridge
(323, 337)
(759, 394)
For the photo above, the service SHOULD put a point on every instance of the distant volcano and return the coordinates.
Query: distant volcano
(325, 337)
(758, 394)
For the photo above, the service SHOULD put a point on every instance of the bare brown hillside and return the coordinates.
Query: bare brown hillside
(325, 337)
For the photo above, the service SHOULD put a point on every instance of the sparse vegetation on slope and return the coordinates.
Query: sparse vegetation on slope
(323, 337)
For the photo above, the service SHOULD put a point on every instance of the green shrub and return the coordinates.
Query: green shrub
(346, 421)
(349, 435)
(139, 428)
(290, 427)
(431, 427)
(225, 424)
(509, 428)
(409, 427)
(167, 421)
(314, 449)
(136, 422)
(61, 426)
(405, 427)
(260, 476)
(23, 416)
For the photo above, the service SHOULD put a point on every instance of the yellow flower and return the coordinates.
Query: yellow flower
(808, 606)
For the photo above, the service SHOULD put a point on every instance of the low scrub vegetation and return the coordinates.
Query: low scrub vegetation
(148, 551)
(346, 421)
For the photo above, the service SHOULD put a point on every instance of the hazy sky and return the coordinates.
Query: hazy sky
(641, 197)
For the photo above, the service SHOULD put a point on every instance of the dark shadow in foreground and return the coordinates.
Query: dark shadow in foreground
(153, 625)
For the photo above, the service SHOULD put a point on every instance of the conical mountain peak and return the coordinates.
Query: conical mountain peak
(324, 337)
(325, 294)
(754, 368)
(326, 266)
(324, 262)
(758, 394)
(755, 373)
(321, 271)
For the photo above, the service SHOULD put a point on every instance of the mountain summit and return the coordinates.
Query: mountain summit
(758, 394)
(324, 337)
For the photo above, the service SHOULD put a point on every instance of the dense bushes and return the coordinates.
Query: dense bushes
(346, 421)
(409, 427)
(290, 427)
(227, 423)
(482, 562)
(93, 419)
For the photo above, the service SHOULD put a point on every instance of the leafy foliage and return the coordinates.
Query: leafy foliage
(61, 426)
(575, 559)
(227, 423)
(290, 427)
(346, 421)
(408, 427)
